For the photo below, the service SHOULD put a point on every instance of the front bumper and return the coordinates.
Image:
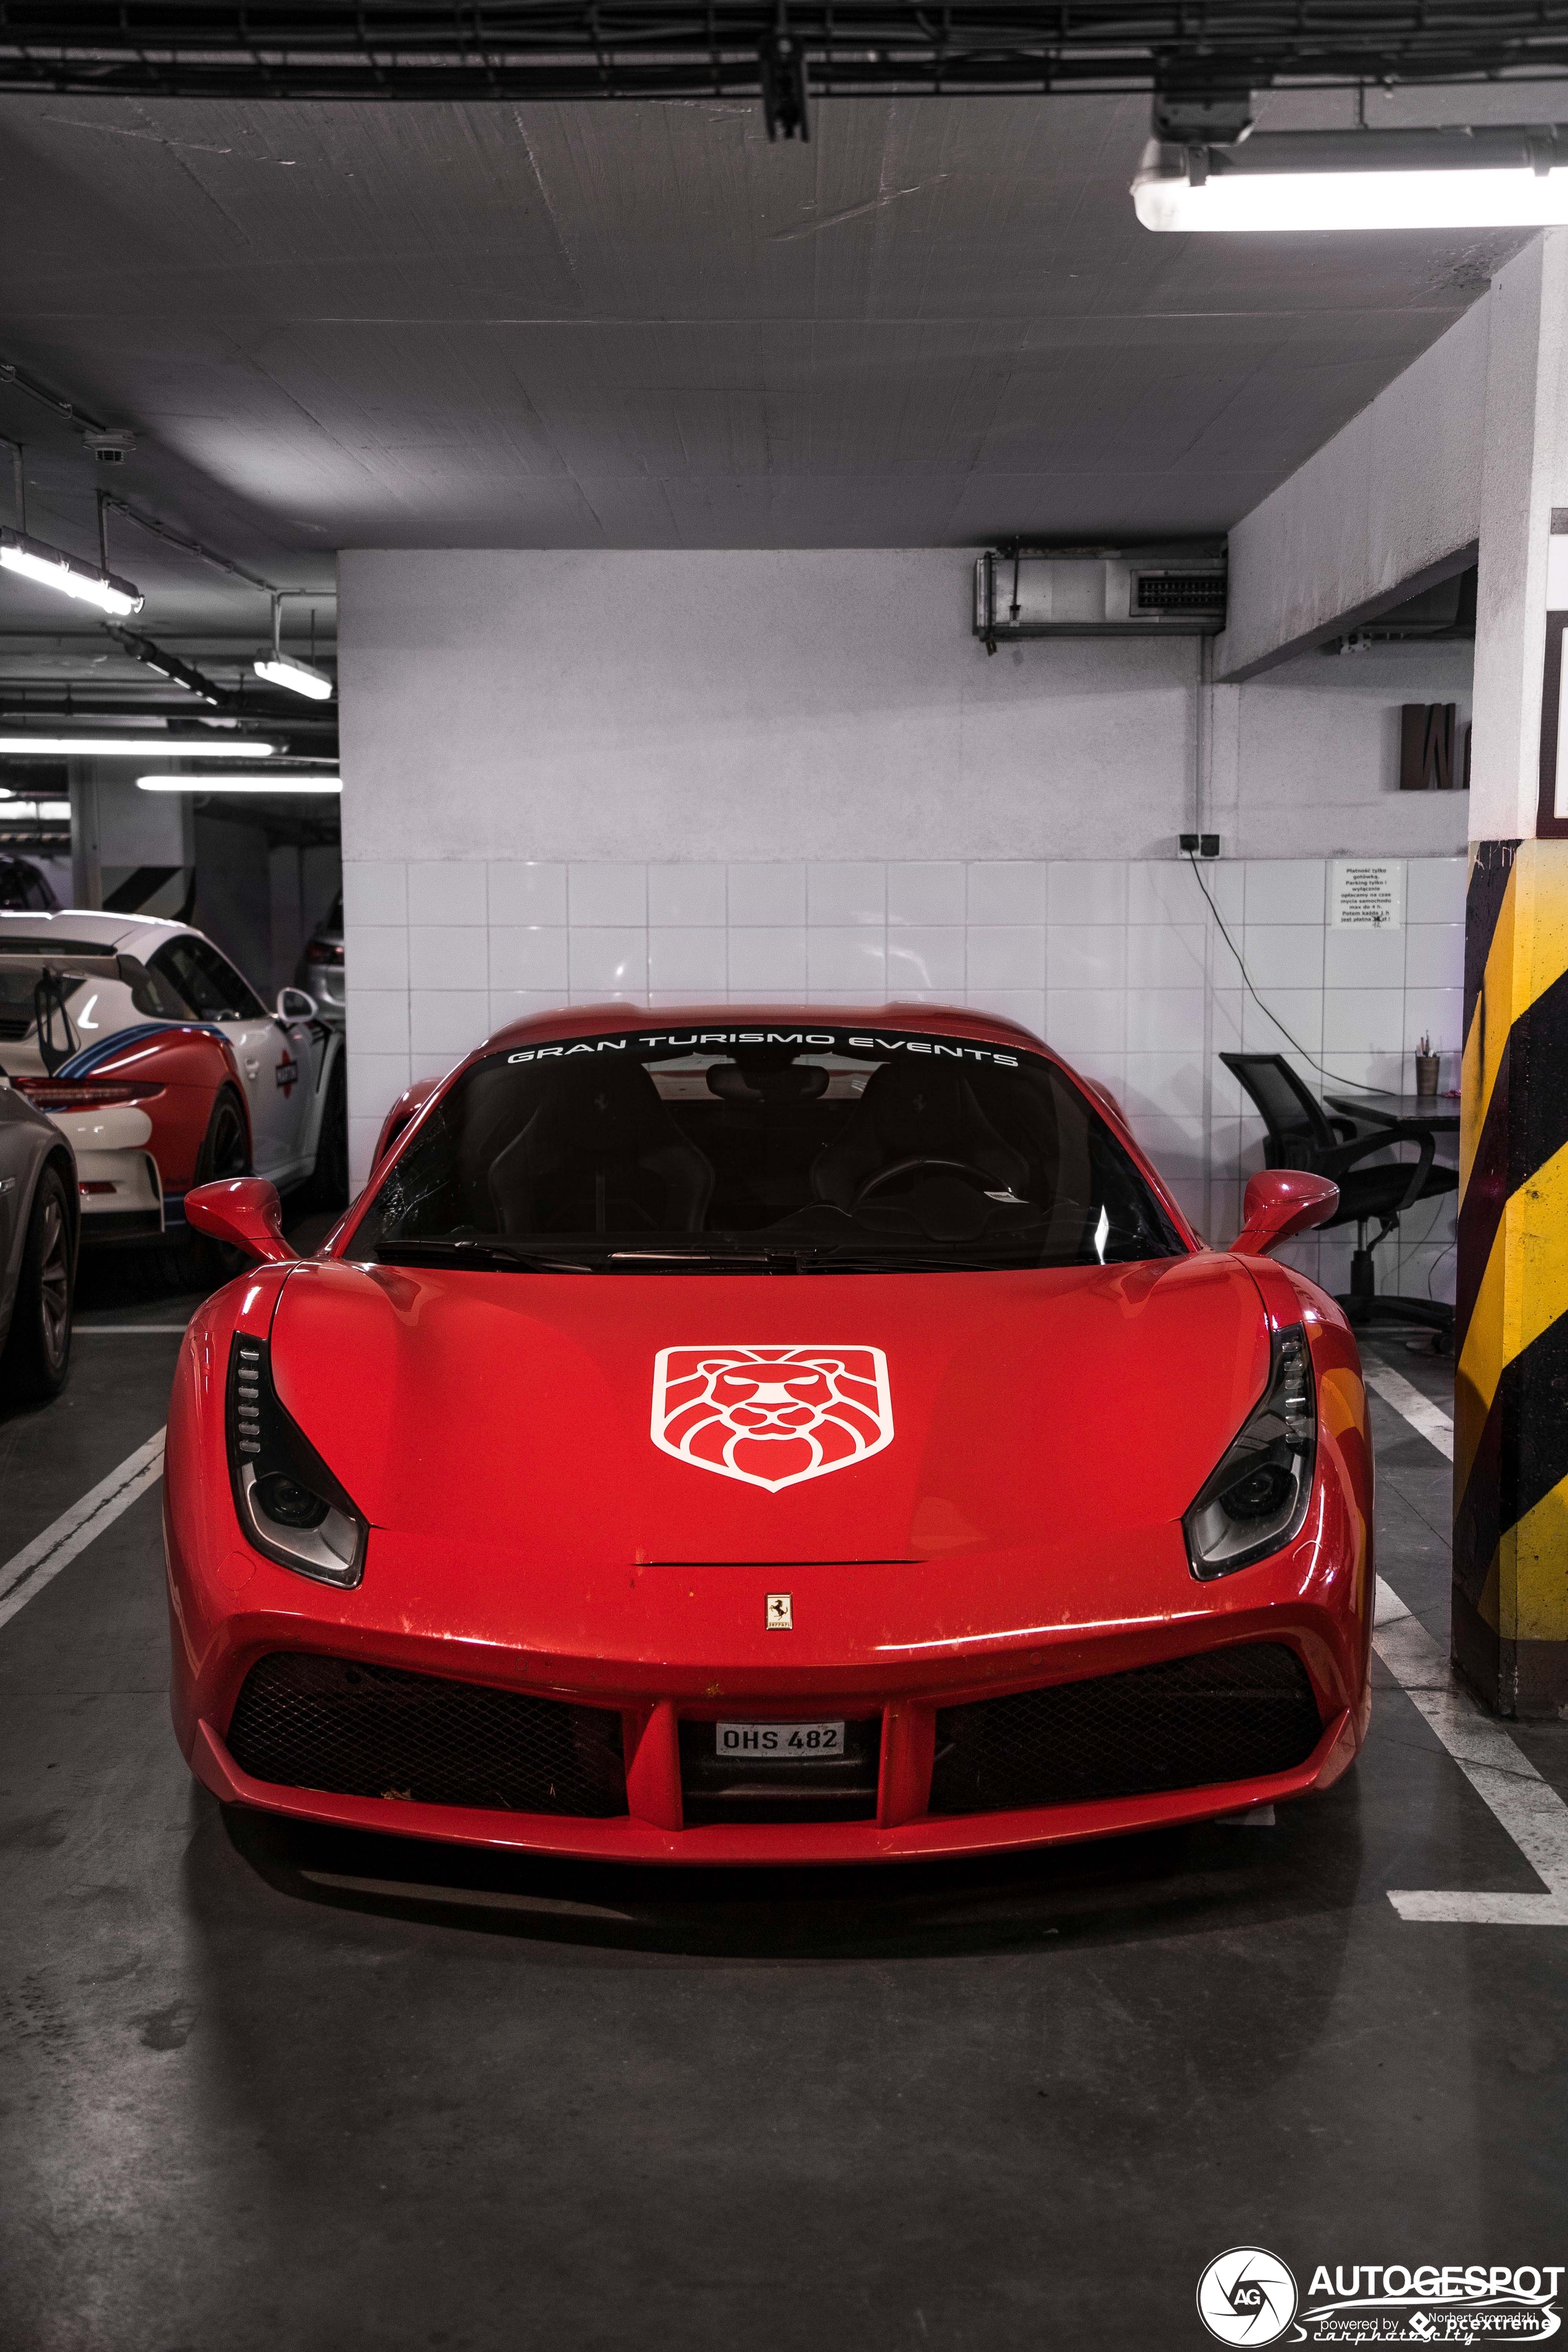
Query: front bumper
(1309, 1601)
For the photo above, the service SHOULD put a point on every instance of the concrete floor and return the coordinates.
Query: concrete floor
(263, 2087)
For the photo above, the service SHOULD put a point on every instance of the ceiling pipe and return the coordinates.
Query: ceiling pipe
(489, 51)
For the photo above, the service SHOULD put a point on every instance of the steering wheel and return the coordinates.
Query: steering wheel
(907, 1167)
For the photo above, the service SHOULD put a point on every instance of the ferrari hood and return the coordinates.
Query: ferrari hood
(584, 1418)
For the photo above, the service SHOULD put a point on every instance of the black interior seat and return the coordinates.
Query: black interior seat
(601, 1154)
(915, 1110)
(1301, 1135)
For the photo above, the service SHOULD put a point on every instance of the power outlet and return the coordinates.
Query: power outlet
(1198, 844)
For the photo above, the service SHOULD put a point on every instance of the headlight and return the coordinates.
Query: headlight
(1257, 1498)
(289, 1502)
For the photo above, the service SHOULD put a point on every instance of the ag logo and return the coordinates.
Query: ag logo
(1246, 2297)
(771, 1417)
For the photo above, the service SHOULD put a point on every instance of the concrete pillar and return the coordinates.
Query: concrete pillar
(1510, 1438)
(87, 863)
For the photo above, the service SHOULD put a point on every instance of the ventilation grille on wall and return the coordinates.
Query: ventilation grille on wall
(1180, 592)
(1098, 592)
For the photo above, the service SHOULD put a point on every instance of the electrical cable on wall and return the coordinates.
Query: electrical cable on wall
(1357, 1085)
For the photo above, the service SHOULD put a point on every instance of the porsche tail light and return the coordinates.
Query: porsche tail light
(1257, 1498)
(324, 952)
(291, 1505)
(94, 1094)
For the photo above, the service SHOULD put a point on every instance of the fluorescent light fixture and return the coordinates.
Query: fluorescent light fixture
(299, 677)
(12, 808)
(1335, 180)
(130, 747)
(32, 559)
(282, 783)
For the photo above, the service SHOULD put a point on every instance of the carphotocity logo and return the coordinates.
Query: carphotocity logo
(1246, 2297)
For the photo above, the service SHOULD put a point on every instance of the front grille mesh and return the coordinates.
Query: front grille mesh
(1227, 1714)
(314, 1722)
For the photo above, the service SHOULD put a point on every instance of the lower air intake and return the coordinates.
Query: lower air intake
(750, 1788)
(374, 1731)
(1227, 1714)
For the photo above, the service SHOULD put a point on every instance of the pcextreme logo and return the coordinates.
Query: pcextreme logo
(1248, 2296)
(770, 1416)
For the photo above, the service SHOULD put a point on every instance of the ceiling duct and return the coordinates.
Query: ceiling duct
(1445, 615)
(1100, 592)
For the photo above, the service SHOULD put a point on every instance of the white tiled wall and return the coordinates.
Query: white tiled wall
(1119, 964)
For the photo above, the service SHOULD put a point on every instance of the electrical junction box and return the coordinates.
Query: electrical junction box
(1169, 589)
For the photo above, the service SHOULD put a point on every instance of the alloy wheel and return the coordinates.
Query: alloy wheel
(54, 1279)
(230, 1153)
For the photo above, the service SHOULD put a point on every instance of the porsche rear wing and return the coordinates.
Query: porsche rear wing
(34, 985)
(67, 967)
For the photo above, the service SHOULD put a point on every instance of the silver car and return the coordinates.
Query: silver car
(39, 1229)
(321, 965)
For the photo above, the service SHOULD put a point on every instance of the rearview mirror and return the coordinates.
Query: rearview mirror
(295, 1005)
(245, 1212)
(1281, 1202)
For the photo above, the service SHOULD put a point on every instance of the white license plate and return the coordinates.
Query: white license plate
(792, 1743)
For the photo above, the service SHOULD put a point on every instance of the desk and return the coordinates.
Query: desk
(1436, 1111)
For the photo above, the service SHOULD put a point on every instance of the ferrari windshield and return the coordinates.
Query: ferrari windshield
(787, 1149)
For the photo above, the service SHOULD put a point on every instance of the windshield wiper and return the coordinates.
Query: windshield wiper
(753, 1260)
(479, 1253)
(801, 1256)
(476, 1250)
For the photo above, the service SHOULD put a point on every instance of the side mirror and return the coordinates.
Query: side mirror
(295, 1005)
(1279, 1202)
(245, 1212)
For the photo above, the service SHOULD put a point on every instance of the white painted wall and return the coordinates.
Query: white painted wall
(528, 704)
(1398, 491)
(1468, 445)
(531, 703)
(1305, 759)
(1525, 477)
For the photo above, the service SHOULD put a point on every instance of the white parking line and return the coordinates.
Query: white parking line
(1502, 1776)
(1528, 1809)
(1419, 1411)
(26, 1572)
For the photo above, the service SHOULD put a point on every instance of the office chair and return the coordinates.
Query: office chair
(1301, 1134)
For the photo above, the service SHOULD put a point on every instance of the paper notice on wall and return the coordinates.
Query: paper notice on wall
(1366, 895)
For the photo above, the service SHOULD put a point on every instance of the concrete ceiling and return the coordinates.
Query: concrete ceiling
(640, 325)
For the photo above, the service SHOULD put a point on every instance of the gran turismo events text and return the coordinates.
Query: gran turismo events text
(698, 1041)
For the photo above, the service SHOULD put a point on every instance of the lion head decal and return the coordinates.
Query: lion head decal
(771, 1416)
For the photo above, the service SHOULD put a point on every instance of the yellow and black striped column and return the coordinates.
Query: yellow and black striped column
(1510, 1334)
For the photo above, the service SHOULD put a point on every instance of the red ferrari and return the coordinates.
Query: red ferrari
(762, 1436)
